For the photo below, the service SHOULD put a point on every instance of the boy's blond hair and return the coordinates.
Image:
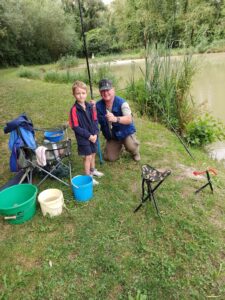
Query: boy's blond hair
(79, 84)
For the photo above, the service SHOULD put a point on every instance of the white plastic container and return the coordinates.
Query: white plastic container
(51, 201)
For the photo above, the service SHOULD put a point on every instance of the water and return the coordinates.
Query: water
(209, 84)
(208, 88)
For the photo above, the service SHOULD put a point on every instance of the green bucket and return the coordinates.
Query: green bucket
(18, 203)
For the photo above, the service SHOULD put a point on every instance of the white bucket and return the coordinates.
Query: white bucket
(51, 201)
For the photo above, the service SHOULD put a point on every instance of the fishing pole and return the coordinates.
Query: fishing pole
(171, 126)
(174, 130)
(85, 48)
(89, 73)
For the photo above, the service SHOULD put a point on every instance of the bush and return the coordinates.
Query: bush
(102, 71)
(27, 73)
(204, 130)
(99, 41)
(65, 77)
(35, 32)
(67, 61)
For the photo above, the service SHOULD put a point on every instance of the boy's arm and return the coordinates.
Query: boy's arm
(74, 124)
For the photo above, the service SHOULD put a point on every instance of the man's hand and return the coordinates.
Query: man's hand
(110, 117)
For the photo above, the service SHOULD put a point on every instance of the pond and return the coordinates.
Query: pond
(208, 86)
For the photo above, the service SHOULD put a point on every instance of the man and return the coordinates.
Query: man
(115, 119)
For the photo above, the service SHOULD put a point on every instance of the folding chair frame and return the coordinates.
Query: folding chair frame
(54, 163)
(49, 173)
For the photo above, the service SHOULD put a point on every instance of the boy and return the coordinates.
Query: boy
(83, 121)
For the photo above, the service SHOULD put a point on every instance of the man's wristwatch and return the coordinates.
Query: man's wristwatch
(118, 119)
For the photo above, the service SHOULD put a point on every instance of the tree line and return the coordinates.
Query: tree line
(37, 32)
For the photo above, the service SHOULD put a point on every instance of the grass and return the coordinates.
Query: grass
(101, 250)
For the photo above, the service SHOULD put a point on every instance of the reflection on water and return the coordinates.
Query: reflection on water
(208, 86)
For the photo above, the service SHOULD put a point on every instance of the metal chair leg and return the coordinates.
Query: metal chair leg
(143, 200)
(154, 200)
(150, 196)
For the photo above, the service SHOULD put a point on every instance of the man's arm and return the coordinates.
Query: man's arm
(125, 119)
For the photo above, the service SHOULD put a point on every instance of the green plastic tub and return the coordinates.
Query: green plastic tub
(18, 203)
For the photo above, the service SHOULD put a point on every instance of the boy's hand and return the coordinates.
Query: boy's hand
(93, 138)
(93, 102)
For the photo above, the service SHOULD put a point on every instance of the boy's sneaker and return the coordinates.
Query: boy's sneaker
(95, 182)
(97, 173)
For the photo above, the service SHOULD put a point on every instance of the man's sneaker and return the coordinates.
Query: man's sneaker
(137, 157)
(95, 182)
(97, 173)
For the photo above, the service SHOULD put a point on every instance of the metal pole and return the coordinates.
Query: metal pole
(85, 48)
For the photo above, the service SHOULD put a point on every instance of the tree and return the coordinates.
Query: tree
(34, 32)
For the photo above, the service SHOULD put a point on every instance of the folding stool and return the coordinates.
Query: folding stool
(151, 179)
(209, 182)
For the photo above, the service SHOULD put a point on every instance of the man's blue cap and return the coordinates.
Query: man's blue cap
(105, 84)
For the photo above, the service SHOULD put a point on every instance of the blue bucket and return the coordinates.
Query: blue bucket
(82, 186)
(54, 136)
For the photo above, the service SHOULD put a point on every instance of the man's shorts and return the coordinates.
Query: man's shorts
(85, 150)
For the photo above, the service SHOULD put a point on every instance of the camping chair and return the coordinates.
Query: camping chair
(209, 182)
(151, 179)
(24, 149)
(55, 154)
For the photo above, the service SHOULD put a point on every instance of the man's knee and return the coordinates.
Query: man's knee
(132, 144)
(110, 156)
(111, 159)
(112, 150)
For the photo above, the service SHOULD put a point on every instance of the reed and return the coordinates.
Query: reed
(164, 91)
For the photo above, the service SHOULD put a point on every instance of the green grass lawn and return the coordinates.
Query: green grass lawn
(101, 249)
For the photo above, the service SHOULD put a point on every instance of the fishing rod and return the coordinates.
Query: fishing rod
(174, 130)
(171, 126)
(85, 48)
(89, 73)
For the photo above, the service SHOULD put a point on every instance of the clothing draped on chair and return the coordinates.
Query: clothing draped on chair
(28, 156)
(21, 135)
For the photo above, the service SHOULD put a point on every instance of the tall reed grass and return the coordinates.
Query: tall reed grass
(164, 91)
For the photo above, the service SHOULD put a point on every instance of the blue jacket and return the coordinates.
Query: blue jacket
(84, 123)
(21, 121)
(21, 135)
(118, 131)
